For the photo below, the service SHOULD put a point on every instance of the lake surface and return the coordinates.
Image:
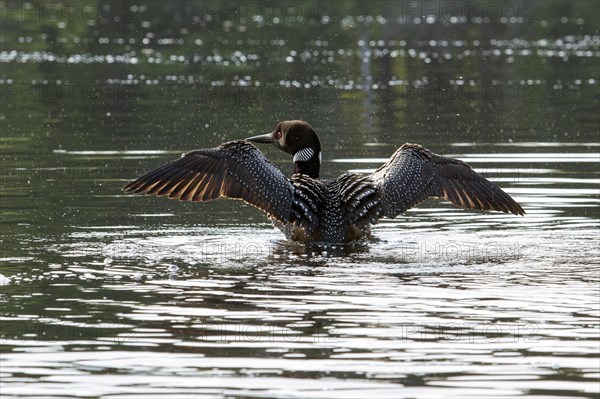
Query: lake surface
(111, 295)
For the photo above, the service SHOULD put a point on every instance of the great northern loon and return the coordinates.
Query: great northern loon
(307, 208)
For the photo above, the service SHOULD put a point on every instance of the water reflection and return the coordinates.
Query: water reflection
(372, 321)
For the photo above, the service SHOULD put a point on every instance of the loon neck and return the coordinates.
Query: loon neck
(308, 162)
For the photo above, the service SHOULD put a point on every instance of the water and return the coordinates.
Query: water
(112, 295)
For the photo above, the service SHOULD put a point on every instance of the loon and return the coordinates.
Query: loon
(309, 209)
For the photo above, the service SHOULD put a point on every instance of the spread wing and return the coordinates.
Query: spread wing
(235, 170)
(414, 173)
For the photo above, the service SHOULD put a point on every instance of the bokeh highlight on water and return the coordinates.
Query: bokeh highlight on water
(111, 295)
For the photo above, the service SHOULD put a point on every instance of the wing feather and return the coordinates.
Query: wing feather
(414, 173)
(235, 170)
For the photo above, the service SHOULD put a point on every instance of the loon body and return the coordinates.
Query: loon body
(307, 208)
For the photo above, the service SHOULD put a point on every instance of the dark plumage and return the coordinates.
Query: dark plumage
(307, 208)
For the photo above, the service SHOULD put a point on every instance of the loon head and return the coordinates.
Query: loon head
(299, 139)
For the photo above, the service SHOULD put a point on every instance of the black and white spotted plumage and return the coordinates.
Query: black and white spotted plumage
(307, 208)
(235, 170)
(414, 173)
(337, 210)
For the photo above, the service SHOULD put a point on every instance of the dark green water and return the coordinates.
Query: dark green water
(110, 295)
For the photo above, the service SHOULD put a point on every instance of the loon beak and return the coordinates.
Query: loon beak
(262, 138)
